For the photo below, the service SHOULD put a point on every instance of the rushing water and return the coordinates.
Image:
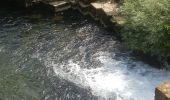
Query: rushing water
(70, 59)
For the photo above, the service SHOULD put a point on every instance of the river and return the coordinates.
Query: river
(69, 59)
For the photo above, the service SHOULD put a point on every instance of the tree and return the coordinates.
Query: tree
(148, 26)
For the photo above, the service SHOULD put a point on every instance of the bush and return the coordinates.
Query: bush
(148, 26)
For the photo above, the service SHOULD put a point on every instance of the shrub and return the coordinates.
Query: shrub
(148, 26)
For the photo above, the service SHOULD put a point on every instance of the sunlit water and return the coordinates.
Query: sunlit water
(70, 59)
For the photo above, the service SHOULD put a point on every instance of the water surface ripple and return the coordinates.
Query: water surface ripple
(71, 59)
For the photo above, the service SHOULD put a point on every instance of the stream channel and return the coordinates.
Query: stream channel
(69, 59)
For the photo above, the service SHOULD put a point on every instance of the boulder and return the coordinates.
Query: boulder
(162, 92)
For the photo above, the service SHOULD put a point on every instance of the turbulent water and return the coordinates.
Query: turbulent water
(69, 59)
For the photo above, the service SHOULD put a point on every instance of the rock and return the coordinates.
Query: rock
(162, 92)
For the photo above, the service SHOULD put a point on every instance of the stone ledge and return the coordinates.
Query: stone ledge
(108, 8)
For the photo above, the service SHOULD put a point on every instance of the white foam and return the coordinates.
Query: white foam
(115, 78)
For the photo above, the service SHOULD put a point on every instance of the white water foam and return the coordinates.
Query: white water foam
(116, 79)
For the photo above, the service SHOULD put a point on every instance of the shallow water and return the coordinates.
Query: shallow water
(70, 59)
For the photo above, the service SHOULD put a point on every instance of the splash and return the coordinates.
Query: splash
(122, 79)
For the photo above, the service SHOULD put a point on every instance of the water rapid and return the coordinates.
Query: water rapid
(69, 59)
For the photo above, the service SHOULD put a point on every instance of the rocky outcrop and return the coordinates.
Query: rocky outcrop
(162, 92)
(100, 11)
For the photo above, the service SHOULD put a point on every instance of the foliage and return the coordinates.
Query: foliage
(148, 26)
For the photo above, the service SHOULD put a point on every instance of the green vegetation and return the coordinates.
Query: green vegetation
(147, 28)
